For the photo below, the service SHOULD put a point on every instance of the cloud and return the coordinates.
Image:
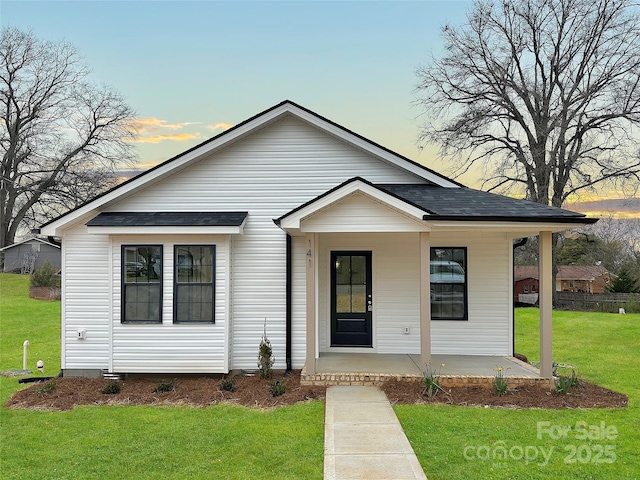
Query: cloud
(174, 137)
(156, 130)
(143, 124)
(220, 126)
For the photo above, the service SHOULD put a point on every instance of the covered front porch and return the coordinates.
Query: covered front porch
(332, 368)
(372, 307)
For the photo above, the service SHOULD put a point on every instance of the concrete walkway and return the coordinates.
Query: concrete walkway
(363, 438)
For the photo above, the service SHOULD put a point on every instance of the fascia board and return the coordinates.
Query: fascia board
(28, 240)
(165, 230)
(514, 229)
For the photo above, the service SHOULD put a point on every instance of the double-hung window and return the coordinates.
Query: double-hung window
(141, 284)
(194, 283)
(448, 271)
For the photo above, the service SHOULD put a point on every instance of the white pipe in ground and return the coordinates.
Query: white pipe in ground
(24, 354)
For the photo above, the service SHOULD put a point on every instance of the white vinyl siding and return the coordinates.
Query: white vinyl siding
(86, 300)
(396, 294)
(488, 329)
(360, 213)
(267, 174)
(298, 301)
(167, 347)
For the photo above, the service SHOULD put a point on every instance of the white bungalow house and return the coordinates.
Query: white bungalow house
(339, 243)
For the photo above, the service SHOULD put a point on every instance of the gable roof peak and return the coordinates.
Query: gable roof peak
(242, 130)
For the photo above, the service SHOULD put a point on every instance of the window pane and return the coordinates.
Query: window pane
(142, 278)
(358, 298)
(194, 277)
(206, 274)
(343, 270)
(141, 302)
(448, 272)
(358, 270)
(343, 298)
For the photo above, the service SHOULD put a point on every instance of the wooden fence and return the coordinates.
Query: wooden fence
(599, 302)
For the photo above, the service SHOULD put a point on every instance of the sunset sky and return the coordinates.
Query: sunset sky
(193, 69)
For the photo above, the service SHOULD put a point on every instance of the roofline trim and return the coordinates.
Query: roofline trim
(237, 131)
(343, 185)
(498, 218)
(28, 240)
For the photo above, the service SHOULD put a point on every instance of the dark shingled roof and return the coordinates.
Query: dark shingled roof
(168, 219)
(467, 204)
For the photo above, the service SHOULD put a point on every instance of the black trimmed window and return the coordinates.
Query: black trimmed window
(194, 283)
(448, 271)
(141, 284)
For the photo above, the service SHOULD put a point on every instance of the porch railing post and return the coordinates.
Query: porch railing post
(546, 304)
(310, 261)
(425, 299)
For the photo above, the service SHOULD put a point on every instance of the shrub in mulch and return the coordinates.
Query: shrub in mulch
(583, 395)
(253, 391)
(250, 391)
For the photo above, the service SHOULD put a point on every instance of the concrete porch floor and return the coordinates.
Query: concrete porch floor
(372, 369)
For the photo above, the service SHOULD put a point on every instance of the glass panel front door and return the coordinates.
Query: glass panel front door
(351, 300)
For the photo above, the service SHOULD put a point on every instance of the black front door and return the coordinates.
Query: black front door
(351, 302)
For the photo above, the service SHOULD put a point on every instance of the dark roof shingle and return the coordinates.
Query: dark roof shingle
(168, 219)
(466, 203)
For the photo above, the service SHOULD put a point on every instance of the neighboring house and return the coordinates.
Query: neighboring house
(291, 218)
(583, 278)
(570, 278)
(526, 284)
(29, 254)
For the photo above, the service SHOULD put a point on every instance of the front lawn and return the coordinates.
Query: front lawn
(466, 443)
(237, 443)
(138, 442)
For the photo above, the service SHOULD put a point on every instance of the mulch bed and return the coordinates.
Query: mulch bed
(583, 395)
(252, 391)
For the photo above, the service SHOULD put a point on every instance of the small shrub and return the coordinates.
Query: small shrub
(163, 387)
(500, 382)
(431, 383)
(46, 388)
(564, 383)
(45, 276)
(112, 388)
(278, 388)
(631, 307)
(228, 384)
(265, 355)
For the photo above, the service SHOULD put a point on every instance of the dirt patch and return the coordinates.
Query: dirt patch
(252, 391)
(584, 395)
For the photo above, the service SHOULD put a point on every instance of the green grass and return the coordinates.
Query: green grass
(138, 442)
(237, 443)
(452, 442)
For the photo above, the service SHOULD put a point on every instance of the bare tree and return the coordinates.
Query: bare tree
(62, 138)
(543, 94)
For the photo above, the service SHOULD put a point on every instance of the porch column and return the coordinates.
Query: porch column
(425, 300)
(310, 259)
(545, 299)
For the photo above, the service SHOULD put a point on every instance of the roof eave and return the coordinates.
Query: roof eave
(499, 218)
